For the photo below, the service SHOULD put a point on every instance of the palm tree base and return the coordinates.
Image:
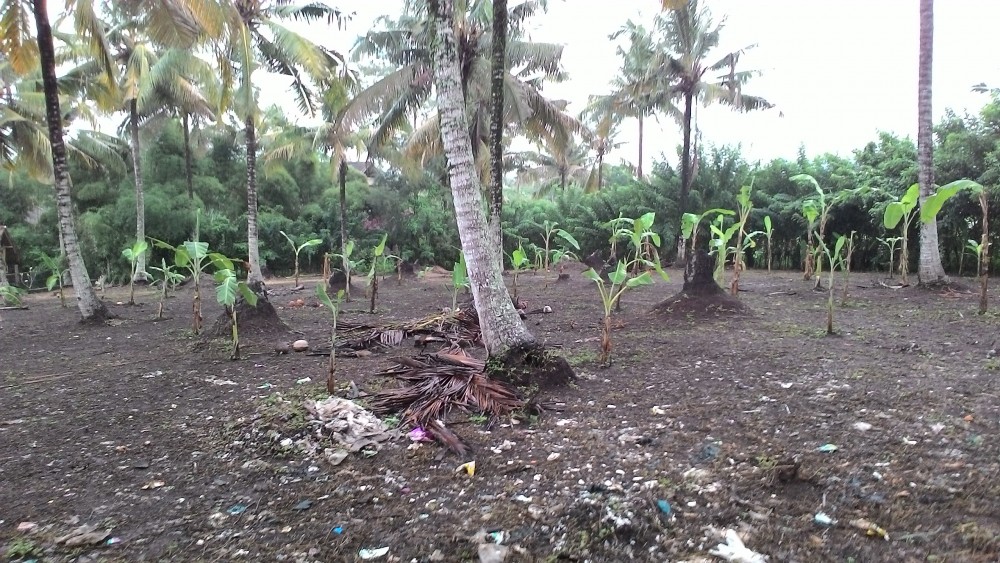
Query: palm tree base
(261, 320)
(531, 368)
(700, 296)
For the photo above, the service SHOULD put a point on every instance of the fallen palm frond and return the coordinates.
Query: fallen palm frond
(436, 384)
(459, 328)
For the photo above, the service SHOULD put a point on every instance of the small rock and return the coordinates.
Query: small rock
(553, 456)
(282, 348)
(26, 526)
(536, 511)
(436, 556)
(303, 505)
(862, 426)
(300, 345)
(493, 553)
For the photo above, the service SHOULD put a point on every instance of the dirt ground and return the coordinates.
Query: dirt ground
(169, 451)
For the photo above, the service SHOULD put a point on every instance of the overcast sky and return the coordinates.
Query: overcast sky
(838, 70)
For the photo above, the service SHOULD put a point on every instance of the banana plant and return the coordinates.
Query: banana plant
(169, 278)
(619, 280)
(348, 266)
(227, 288)
(333, 305)
(379, 261)
(691, 221)
(810, 210)
(193, 257)
(834, 257)
(133, 255)
(459, 280)
(768, 232)
(745, 206)
(890, 243)
(298, 249)
(719, 244)
(902, 211)
(550, 229)
(56, 266)
(932, 206)
(518, 262)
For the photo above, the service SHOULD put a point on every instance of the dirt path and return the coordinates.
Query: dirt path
(182, 455)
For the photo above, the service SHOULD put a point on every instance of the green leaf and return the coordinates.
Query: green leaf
(568, 238)
(688, 223)
(380, 248)
(646, 221)
(655, 238)
(226, 290)
(459, 274)
(248, 295)
(893, 215)
(933, 204)
(767, 225)
(518, 258)
(841, 241)
(220, 261)
(592, 275)
(182, 258)
(620, 274)
(196, 250)
(51, 281)
(311, 242)
(911, 197)
(349, 248)
(323, 297)
(642, 279)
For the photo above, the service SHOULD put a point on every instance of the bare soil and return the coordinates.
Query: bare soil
(172, 452)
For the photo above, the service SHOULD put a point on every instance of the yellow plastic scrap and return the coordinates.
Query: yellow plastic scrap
(870, 528)
(469, 468)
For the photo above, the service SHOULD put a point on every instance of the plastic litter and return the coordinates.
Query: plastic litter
(237, 509)
(827, 448)
(664, 506)
(469, 468)
(418, 434)
(733, 550)
(337, 530)
(823, 519)
(373, 553)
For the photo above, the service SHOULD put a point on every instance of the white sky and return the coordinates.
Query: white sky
(839, 70)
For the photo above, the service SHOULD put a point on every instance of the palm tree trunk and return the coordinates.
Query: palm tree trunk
(188, 169)
(501, 326)
(639, 166)
(140, 203)
(930, 269)
(686, 153)
(346, 262)
(685, 168)
(600, 170)
(498, 71)
(91, 308)
(253, 251)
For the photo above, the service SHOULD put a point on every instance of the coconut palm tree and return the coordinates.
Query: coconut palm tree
(601, 137)
(557, 164)
(929, 269)
(91, 308)
(502, 328)
(498, 75)
(391, 102)
(636, 92)
(689, 39)
(255, 38)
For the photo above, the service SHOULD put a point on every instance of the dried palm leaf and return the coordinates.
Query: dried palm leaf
(435, 384)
